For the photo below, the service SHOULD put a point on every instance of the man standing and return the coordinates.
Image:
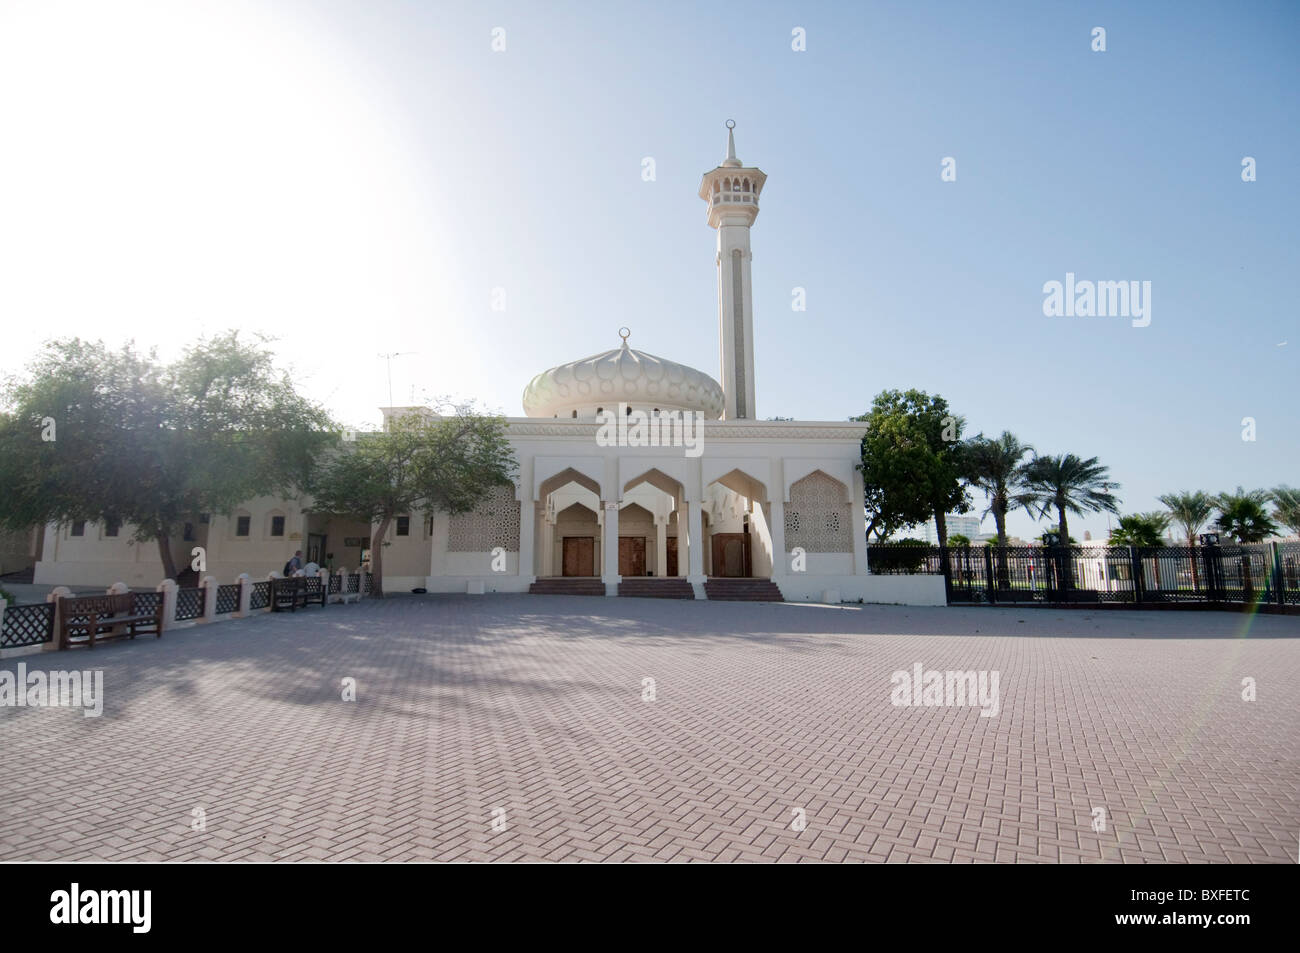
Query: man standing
(293, 565)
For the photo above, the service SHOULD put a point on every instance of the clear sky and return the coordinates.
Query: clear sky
(357, 177)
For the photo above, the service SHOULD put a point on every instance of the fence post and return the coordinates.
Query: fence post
(168, 589)
(990, 584)
(361, 582)
(245, 595)
(1279, 592)
(342, 573)
(209, 586)
(54, 595)
(1135, 569)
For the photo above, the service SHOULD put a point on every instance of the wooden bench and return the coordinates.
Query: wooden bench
(291, 593)
(116, 615)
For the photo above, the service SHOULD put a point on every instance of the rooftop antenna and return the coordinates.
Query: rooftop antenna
(388, 358)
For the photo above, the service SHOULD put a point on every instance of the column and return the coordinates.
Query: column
(527, 535)
(661, 547)
(776, 526)
(695, 542)
(610, 554)
(858, 520)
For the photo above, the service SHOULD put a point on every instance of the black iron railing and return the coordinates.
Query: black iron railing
(189, 603)
(1264, 574)
(27, 625)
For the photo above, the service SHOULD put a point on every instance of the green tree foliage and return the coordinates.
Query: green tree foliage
(1140, 529)
(1287, 503)
(417, 465)
(911, 462)
(1069, 484)
(1190, 511)
(1242, 515)
(93, 434)
(996, 467)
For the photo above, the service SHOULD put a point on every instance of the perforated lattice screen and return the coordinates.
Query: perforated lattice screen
(495, 522)
(817, 516)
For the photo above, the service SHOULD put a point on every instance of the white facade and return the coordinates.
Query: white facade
(735, 496)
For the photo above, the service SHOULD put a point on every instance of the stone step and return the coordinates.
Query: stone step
(743, 590)
(649, 587)
(568, 586)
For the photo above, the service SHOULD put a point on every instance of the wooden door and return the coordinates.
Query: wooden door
(671, 557)
(579, 556)
(631, 555)
(729, 556)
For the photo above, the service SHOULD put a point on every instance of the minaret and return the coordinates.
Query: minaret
(732, 193)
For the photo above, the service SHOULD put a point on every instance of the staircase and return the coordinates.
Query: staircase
(742, 590)
(656, 587)
(568, 586)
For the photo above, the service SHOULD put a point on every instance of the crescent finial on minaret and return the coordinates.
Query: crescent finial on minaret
(731, 162)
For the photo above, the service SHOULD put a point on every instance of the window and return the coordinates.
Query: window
(403, 526)
(277, 525)
(203, 518)
(79, 528)
(188, 535)
(241, 525)
(111, 527)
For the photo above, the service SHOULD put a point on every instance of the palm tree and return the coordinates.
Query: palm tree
(1287, 502)
(1140, 529)
(1243, 517)
(1190, 511)
(1069, 484)
(995, 466)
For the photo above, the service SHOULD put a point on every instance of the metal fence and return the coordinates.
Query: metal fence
(227, 599)
(1263, 574)
(189, 603)
(260, 597)
(27, 625)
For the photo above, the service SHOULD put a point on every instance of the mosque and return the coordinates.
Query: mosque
(637, 476)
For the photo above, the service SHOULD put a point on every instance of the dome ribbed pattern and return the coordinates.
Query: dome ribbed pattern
(623, 374)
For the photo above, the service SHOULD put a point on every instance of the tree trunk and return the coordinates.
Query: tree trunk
(1196, 578)
(1004, 570)
(941, 527)
(165, 553)
(377, 557)
(1067, 562)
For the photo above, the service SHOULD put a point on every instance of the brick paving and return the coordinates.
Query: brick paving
(530, 708)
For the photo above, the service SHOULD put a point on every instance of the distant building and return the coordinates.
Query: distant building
(968, 526)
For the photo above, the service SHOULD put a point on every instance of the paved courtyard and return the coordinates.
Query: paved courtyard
(516, 728)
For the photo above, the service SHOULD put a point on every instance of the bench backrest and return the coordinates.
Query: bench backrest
(99, 605)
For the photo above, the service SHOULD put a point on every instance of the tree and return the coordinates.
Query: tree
(1287, 513)
(911, 462)
(115, 436)
(959, 541)
(1243, 517)
(1069, 484)
(419, 464)
(1140, 529)
(1190, 511)
(995, 466)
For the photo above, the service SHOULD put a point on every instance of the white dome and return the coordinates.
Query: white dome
(640, 380)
